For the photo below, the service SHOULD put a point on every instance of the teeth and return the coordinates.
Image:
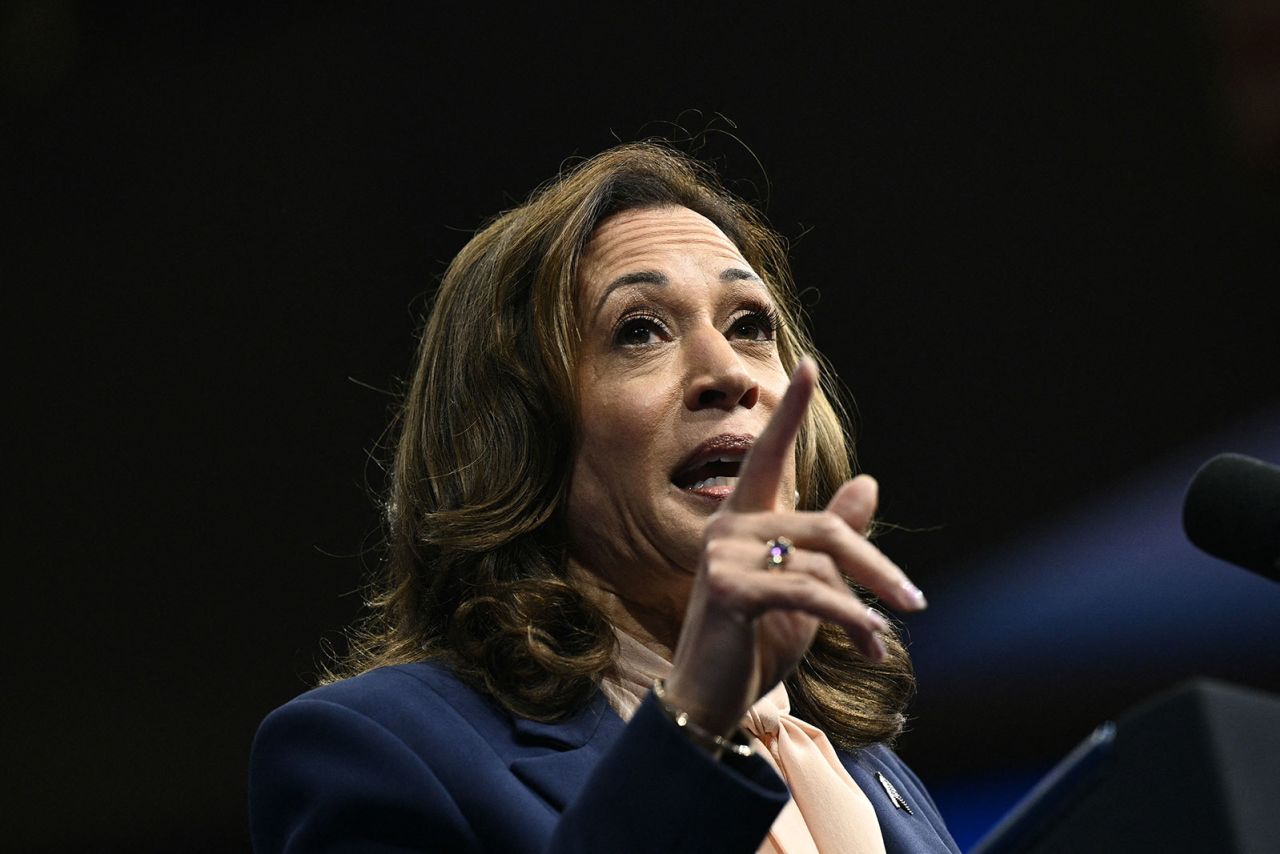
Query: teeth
(715, 481)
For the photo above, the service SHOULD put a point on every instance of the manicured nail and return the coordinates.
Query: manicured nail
(878, 623)
(913, 596)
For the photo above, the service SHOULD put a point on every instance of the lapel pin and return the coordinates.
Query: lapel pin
(894, 795)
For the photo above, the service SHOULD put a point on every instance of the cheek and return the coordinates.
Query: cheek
(621, 422)
(625, 436)
(773, 379)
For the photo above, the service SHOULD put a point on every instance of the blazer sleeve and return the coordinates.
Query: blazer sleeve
(324, 777)
(656, 791)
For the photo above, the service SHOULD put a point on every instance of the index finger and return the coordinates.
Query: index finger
(761, 473)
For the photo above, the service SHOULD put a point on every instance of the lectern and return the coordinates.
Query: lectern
(1193, 770)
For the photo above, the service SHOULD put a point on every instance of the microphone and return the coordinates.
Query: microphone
(1232, 511)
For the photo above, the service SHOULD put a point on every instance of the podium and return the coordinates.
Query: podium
(1194, 770)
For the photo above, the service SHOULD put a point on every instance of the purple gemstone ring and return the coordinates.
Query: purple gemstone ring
(779, 551)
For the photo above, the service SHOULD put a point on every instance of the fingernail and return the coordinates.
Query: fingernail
(913, 596)
(878, 651)
(878, 623)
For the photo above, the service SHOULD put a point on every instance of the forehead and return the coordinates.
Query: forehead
(653, 237)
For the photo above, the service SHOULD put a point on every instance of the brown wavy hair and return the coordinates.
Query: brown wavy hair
(475, 573)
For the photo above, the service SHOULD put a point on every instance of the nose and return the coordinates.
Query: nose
(717, 377)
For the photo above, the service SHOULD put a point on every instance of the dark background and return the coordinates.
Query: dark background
(1041, 242)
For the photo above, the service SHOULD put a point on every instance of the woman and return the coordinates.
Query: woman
(621, 522)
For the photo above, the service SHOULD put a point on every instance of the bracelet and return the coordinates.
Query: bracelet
(716, 744)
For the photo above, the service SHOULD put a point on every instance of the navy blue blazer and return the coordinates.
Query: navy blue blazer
(408, 758)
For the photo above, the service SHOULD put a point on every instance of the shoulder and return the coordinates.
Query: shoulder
(381, 756)
(432, 681)
(390, 693)
(422, 704)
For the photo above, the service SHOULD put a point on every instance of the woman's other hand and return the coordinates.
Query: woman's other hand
(748, 626)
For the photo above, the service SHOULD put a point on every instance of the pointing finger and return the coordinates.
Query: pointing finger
(762, 471)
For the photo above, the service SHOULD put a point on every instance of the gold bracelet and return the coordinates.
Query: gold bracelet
(716, 744)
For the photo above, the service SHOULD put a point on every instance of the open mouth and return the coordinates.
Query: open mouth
(711, 470)
(719, 472)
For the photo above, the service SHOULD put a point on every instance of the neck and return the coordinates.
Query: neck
(653, 620)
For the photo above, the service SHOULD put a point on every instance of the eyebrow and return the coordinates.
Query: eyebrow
(733, 274)
(652, 277)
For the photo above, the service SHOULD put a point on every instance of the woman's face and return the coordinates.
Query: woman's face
(679, 372)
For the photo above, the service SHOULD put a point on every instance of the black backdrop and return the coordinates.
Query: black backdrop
(1038, 251)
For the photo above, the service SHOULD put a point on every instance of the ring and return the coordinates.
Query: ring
(779, 551)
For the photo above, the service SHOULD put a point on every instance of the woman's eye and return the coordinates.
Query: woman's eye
(639, 331)
(755, 326)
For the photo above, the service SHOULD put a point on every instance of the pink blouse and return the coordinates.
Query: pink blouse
(827, 812)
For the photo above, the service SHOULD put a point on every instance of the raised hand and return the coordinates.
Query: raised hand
(747, 627)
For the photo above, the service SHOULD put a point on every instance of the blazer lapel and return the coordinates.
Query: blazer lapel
(560, 756)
